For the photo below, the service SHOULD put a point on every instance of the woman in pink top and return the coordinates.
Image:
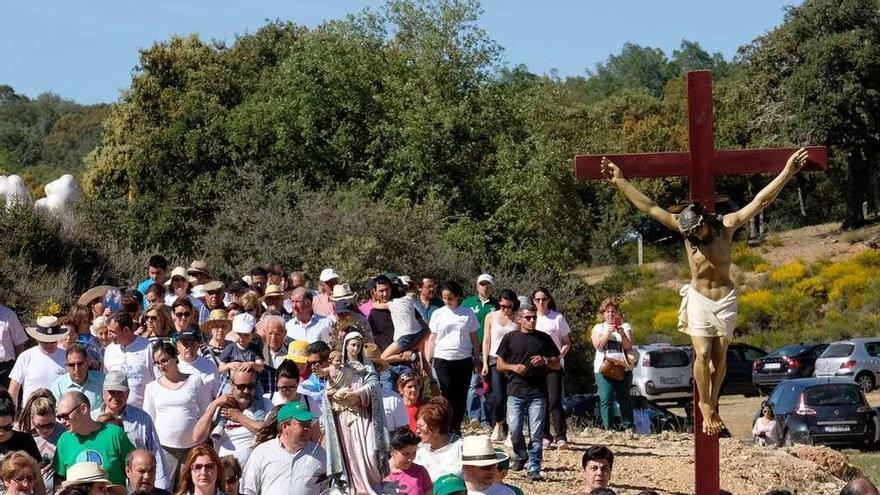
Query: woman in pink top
(411, 478)
(498, 324)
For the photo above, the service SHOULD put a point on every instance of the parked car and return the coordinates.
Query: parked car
(740, 359)
(583, 409)
(662, 372)
(791, 361)
(827, 411)
(856, 359)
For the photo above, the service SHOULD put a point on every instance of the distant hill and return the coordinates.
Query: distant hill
(45, 137)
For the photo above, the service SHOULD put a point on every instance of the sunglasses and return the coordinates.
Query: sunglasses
(76, 365)
(65, 416)
(287, 388)
(44, 426)
(203, 467)
(540, 299)
(151, 317)
(245, 386)
(181, 315)
(232, 479)
(529, 318)
(506, 306)
(23, 479)
(6, 427)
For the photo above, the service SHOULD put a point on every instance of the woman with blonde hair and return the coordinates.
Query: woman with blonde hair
(157, 322)
(37, 417)
(202, 472)
(20, 474)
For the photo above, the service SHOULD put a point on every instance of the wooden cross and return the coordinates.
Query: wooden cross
(701, 164)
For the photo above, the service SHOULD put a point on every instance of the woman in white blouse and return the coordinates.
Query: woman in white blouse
(766, 430)
(175, 401)
(498, 324)
(613, 339)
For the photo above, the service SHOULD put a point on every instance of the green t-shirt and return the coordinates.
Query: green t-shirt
(108, 446)
(481, 310)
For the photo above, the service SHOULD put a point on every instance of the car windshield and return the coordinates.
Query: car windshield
(789, 350)
(833, 395)
(671, 358)
(837, 351)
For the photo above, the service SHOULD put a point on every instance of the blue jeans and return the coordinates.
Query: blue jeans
(517, 410)
(478, 407)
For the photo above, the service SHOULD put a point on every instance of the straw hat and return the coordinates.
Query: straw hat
(85, 472)
(328, 274)
(273, 290)
(297, 353)
(477, 450)
(198, 266)
(213, 285)
(48, 329)
(217, 317)
(373, 353)
(342, 292)
(94, 293)
(178, 271)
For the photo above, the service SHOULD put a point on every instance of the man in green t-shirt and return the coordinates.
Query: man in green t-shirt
(482, 303)
(88, 441)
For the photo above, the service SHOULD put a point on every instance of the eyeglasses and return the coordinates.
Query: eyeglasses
(540, 299)
(245, 386)
(23, 479)
(76, 364)
(181, 315)
(203, 467)
(151, 317)
(232, 479)
(286, 388)
(44, 426)
(505, 306)
(6, 427)
(65, 416)
(529, 318)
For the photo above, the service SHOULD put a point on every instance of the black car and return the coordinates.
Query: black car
(791, 361)
(739, 369)
(827, 411)
(738, 379)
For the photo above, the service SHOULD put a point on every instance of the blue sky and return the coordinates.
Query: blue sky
(86, 49)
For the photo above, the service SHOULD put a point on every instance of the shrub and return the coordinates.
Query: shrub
(745, 258)
(812, 286)
(755, 311)
(788, 273)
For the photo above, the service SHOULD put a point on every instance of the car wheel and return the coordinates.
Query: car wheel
(865, 381)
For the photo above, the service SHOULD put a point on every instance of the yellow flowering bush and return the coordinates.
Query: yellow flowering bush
(48, 308)
(788, 273)
(812, 286)
(665, 320)
(847, 291)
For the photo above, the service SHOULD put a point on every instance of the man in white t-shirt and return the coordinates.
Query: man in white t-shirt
(38, 367)
(306, 324)
(131, 354)
(244, 412)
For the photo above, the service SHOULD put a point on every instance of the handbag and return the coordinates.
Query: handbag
(612, 369)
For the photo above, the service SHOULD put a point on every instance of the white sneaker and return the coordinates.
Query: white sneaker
(508, 443)
(545, 444)
(497, 434)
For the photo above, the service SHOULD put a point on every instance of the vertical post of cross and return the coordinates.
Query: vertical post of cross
(707, 477)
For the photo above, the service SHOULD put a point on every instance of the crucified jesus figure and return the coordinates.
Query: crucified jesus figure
(709, 303)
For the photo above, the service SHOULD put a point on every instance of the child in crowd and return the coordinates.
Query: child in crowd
(411, 478)
(503, 468)
(409, 327)
(243, 354)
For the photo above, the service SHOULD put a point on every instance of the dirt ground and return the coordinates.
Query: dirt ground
(664, 463)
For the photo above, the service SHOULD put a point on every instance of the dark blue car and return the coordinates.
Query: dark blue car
(826, 411)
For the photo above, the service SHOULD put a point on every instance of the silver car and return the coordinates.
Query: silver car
(858, 359)
(662, 373)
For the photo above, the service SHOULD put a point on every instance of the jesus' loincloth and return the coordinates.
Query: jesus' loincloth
(700, 316)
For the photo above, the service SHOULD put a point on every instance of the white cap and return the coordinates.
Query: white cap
(486, 278)
(198, 291)
(328, 274)
(244, 323)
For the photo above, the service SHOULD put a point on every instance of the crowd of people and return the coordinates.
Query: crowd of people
(186, 384)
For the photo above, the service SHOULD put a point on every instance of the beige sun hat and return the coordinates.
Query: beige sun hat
(178, 271)
(477, 450)
(94, 293)
(342, 292)
(198, 266)
(216, 318)
(85, 472)
(48, 329)
(273, 290)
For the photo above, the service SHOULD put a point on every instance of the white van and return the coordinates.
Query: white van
(662, 372)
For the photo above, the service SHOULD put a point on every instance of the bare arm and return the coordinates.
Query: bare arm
(487, 342)
(566, 346)
(429, 347)
(767, 195)
(646, 205)
(14, 388)
(503, 367)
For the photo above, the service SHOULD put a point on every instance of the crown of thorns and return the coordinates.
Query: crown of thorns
(691, 218)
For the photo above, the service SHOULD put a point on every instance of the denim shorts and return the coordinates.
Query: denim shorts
(407, 342)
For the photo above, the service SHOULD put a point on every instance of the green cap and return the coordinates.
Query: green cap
(296, 410)
(449, 484)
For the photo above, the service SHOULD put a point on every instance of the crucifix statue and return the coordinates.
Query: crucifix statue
(709, 302)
